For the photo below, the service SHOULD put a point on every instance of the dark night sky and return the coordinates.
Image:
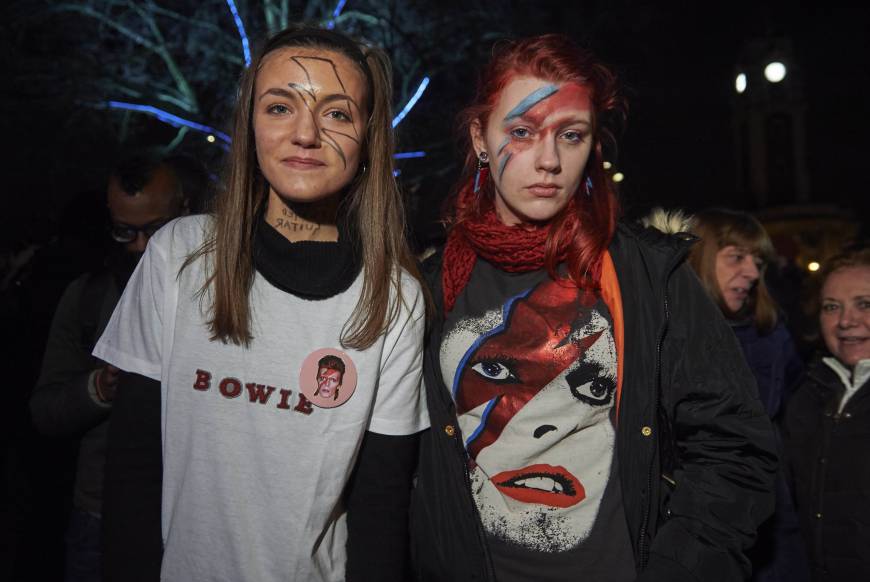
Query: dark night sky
(677, 60)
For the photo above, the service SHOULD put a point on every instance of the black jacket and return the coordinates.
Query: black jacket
(61, 403)
(829, 454)
(696, 451)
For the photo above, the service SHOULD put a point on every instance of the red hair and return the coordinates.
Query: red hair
(554, 58)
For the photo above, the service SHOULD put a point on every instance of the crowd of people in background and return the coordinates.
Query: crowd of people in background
(711, 449)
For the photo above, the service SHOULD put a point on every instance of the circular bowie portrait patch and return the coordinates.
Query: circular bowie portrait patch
(327, 378)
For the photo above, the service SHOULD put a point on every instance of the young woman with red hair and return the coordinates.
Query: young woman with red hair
(592, 415)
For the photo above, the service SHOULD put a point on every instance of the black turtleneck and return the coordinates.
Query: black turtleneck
(378, 495)
(307, 269)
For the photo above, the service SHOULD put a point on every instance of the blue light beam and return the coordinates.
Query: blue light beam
(169, 118)
(408, 155)
(246, 47)
(175, 121)
(335, 14)
(411, 102)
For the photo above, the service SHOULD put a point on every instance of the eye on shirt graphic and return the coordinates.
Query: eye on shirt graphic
(534, 386)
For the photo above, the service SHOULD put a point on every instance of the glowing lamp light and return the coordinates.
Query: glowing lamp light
(618, 177)
(209, 138)
(740, 83)
(774, 72)
(607, 165)
(813, 266)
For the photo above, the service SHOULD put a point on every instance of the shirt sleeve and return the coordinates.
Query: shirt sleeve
(400, 404)
(132, 340)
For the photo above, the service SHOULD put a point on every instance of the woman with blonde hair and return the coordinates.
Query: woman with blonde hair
(304, 257)
(827, 426)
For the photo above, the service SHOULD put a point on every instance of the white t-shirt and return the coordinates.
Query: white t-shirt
(253, 470)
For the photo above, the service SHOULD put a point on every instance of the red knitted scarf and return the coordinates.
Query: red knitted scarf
(513, 249)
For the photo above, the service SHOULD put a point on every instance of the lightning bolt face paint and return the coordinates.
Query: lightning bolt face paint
(531, 100)
(308, 122)
(540, 133)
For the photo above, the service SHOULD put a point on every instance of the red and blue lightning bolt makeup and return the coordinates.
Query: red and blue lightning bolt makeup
(534, 115)
(521, 108)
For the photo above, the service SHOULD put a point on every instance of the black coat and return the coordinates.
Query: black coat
(687, 397)
(829, 454)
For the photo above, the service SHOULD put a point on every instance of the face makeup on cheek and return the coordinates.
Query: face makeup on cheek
(539, 136)
(308, 122)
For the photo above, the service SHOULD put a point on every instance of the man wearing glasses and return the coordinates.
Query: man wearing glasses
(75, 392)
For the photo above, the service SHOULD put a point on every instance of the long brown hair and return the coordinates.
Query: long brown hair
(373, 202)
(717, 229)
(555, 58)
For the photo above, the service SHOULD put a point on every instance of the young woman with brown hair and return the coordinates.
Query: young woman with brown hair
(304, 257)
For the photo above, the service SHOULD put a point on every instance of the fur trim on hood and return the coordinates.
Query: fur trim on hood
(668, 221)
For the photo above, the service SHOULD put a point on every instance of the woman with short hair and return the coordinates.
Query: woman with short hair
(827, 426)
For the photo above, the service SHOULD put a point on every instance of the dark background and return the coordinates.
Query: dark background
(677, 61)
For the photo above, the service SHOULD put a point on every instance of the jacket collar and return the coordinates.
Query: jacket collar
(660, 254)
(852, 380)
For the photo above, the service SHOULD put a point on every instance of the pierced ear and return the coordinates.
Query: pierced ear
(477, 141)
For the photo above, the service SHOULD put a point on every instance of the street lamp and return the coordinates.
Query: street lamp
(740, 83)
(774, 72)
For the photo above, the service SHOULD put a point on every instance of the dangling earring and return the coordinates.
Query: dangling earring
(588, 186)
(482, 162)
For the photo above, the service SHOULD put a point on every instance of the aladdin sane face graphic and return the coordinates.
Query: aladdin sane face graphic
(328, 382)
(534, 386)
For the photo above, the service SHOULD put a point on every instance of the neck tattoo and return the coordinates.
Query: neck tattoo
(289, 221)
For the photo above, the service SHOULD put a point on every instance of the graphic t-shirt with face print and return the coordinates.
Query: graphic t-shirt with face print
(531, 364)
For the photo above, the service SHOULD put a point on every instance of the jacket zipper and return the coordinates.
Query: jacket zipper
(481, 536)
(489, 570)
(643, 543)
